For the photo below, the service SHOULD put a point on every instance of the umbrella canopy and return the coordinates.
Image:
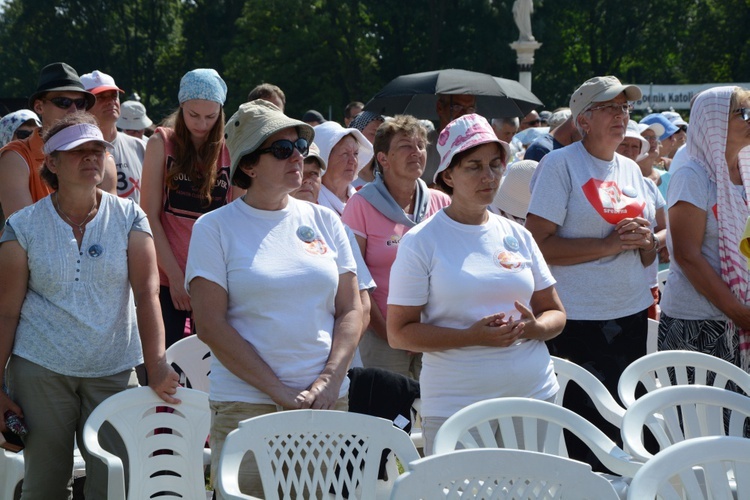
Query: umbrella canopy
(416, 94)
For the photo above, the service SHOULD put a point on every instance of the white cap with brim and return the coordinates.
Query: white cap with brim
(73, 136)
(601, 89)
(514, 195)
(633, 131)
(328, 134)
(314, 152)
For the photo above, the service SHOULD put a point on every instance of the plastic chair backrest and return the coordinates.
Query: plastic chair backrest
(159, 460)
(492, 424)
(666, 368)
(193, 357)
(674, 414)
(303, 452)
(661, 279)
(567, 372)
(500, 474)
(652, 336)
(11, 472)
(714, 467)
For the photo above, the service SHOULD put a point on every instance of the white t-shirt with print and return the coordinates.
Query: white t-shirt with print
(460, 274)
(586, 197)
(280, 270)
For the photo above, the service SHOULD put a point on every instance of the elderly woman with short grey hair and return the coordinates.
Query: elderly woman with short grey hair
(591, 216)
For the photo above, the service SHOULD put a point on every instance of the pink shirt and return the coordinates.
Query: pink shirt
(383, 236)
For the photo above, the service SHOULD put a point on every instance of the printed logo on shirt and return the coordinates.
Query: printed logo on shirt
(316, 247)
(184, 200)
(126, 185)
(611, 202)
(715, 210)
(393, 240)
(509, 260)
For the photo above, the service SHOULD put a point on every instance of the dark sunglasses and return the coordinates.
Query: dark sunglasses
(744, 113)
(23, 134)
(67, 102)
(533, 123)
(284, 148)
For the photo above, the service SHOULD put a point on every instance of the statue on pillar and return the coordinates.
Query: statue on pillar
(522, 10)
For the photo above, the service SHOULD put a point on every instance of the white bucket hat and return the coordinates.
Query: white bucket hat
(514, 195)
(328, 134)
(465, 132)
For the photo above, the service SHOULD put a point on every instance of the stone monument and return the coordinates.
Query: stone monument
(526, 45)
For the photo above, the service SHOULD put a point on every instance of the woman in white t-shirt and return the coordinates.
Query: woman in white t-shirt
(273, 286)
(590, 212)
(470, 289)
(705, 302)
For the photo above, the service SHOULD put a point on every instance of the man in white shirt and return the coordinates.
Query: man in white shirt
(128, 151)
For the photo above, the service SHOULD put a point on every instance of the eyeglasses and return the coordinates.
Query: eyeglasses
(533, 123)
(459, 108)
(284, 148)
(614, 108)
(67, 102)
(744, 113)
(23, 134)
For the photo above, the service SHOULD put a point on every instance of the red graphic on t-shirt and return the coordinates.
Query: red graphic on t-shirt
(508, 260)
(609, 201)
(316, 247)
(715, 210)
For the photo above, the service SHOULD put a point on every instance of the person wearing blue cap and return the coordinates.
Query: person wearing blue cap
(185, 174)
(669, 139)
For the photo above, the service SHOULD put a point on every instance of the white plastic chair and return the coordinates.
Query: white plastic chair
(714, 467)
(661, 279)
(299, 452)
(11, 473)
(652, 336)
(492, 424)
(687, 367)
(193, 357)
(416, 424)
(133, 414)
(674, 414)
(567, 372)
(500, 474)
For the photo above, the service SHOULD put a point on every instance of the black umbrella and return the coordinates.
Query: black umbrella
(416, 94)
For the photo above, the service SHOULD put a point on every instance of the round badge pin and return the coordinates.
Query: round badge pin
(95, 250)
(629, 191)
(511, 243)
(306, 233)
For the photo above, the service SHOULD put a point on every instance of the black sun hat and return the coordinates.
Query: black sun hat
(59, 77)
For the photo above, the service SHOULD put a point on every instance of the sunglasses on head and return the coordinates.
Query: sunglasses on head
(23, 134)
(67, 102)
(284, 148)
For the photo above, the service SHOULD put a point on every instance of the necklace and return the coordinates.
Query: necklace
(81, 228)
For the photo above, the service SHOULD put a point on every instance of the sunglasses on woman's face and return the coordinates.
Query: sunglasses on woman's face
(67, 102)
(284, 148)
(23, 134)
(744, 113)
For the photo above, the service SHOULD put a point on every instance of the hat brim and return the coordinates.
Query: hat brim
(305, 132)
(141, 123)
(104, 88)
(77, 142)
(447, 160)
(90, 98)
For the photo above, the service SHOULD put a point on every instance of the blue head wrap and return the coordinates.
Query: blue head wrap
(202, 83)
